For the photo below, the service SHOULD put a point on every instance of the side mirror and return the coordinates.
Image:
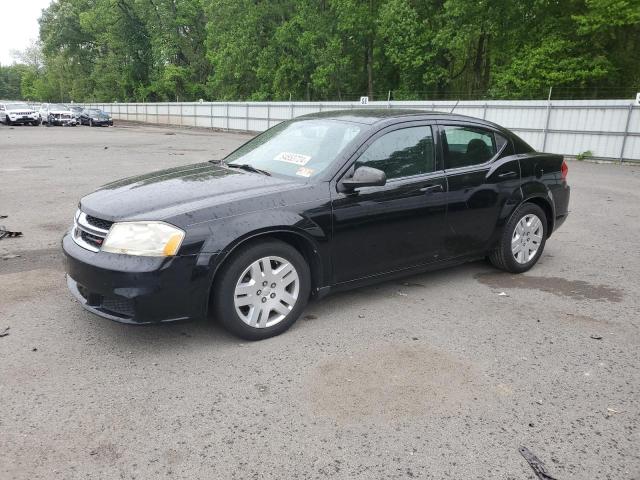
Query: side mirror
(364, 177)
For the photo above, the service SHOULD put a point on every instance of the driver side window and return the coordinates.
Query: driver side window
(401, 153)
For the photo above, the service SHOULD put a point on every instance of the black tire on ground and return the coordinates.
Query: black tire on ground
(7, 121)
(223, 289)
(502, 257)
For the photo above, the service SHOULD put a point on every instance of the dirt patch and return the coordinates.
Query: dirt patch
(106, 452)
(55, 227)
(29, 286)
(28, 260)
(391, 382)
(584, 319)
(578, 289)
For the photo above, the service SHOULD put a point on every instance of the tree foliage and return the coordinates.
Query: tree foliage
(167, 50)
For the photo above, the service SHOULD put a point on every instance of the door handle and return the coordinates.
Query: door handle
(507, 175)
(431, 188)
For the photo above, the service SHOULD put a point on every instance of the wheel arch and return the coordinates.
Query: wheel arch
(305, 245)
(547, 207)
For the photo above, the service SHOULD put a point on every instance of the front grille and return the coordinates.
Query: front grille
(94, 240)
(83, 291)
(90, 234)
(99, 223)
(116, 305)
(120, 306)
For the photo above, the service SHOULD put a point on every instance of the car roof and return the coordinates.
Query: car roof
(371, 116)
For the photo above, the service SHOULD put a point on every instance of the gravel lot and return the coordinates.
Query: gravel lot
(436, 376)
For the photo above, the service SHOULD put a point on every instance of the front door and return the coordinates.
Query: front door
(398, 225)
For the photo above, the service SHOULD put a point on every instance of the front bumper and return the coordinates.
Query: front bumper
(101, 123)
(23, 119)
(65, 122)
(136, 290)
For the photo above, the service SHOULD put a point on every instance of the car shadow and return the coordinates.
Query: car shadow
(208, 333)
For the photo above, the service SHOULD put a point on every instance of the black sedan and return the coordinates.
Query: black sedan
(314, 205)
(94, 117)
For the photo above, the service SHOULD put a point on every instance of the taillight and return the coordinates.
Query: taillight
(564, 170)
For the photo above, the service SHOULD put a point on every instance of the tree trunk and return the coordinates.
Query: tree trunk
(481, 65)
(370, 68)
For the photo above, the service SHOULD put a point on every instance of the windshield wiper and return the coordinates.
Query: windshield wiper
(248, 168)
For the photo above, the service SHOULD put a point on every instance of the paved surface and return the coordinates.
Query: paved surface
(436, 376)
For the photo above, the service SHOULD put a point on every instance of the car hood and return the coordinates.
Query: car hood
(168, 193)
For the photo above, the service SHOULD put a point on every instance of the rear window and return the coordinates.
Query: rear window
(464, 146)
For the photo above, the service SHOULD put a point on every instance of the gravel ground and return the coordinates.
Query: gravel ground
(436, 376)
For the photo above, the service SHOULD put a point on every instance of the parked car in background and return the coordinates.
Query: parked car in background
(320, 203)
(17, 113)
(77, 111)
(56, 114)
(94, 117)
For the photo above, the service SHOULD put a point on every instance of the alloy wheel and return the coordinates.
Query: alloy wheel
(527, 238)
(266, 292)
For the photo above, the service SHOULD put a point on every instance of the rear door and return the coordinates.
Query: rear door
(398, 225)
(483, 178)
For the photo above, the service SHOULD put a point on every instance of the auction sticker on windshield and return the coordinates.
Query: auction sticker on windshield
(295, 158)
(305, 172)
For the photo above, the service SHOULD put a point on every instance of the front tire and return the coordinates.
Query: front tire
(261, 290)
(522, 241)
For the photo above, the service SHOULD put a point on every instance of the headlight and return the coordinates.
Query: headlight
(153, 239)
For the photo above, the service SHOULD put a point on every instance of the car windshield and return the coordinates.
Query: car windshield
(57, 106)
(17, 106)
(96, 112)
(297, 148)
(76, 109)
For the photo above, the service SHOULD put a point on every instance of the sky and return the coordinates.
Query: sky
(19, 25)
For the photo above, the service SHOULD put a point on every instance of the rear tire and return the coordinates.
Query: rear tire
(261, 290)
(522, 240)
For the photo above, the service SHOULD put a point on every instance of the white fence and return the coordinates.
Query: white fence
(609, 129)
